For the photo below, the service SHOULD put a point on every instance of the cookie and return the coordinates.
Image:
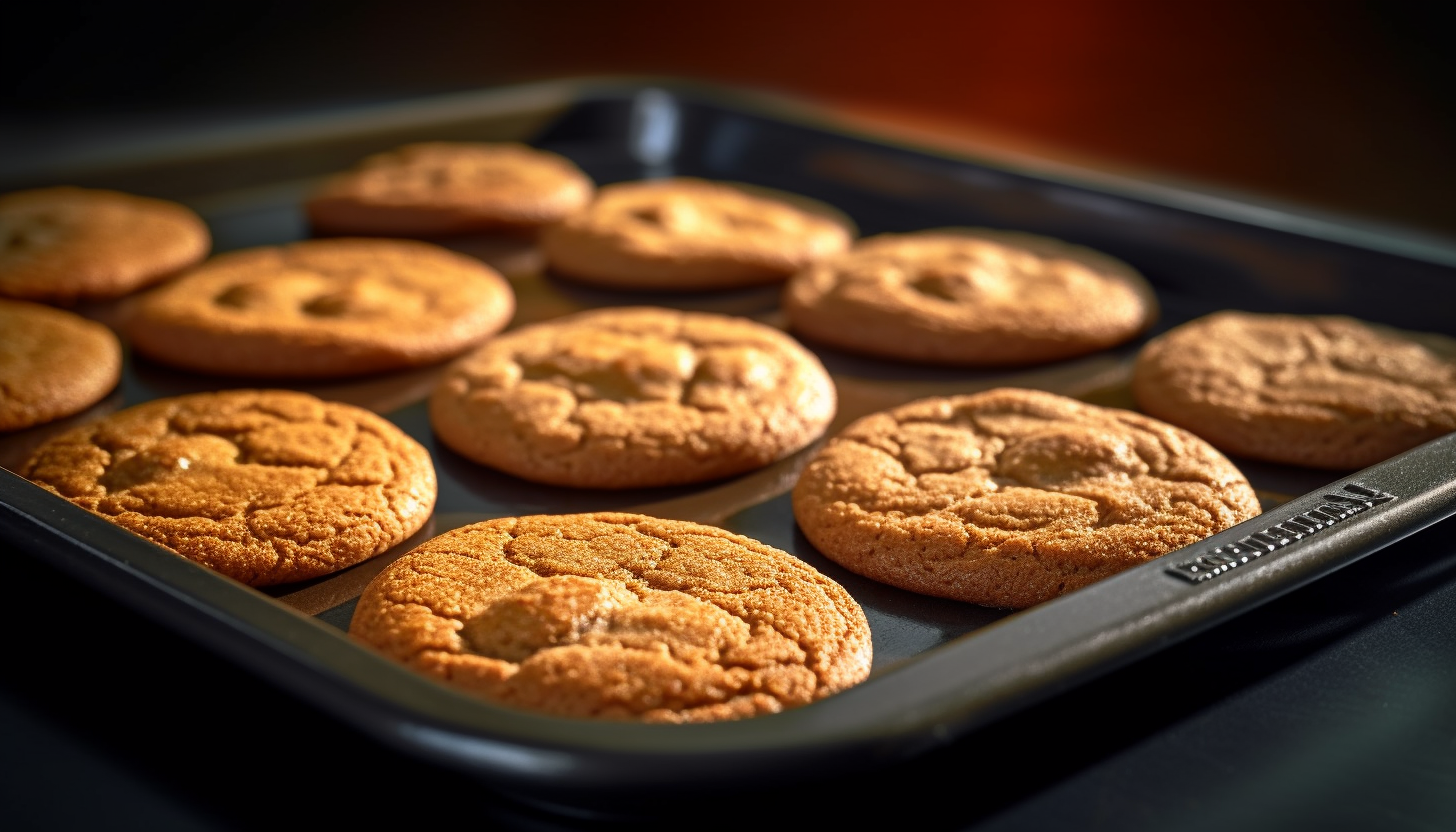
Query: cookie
(322, 309)
(617, 616)
(1319, 391)
(633, 397)
(1012, 497)
(969, 297)
(63, 245)
(264, 486)
(52, 364)
(691, 234)
(434, 189)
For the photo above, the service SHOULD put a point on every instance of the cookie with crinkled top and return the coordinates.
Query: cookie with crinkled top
(1324, 391)
(617, 616)
(435, 189)
(970, 297)
(323, 309)
(633, 397)
(53, 363)
(693, 234)
(63, 245)
(264, 486)
(1012, 497)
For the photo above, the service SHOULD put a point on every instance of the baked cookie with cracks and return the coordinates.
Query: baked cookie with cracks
(322, 309)
(1323, 391)
(690, 235)
(53, 363)
(1012, 497)
(617, 616)
(264, 486)
(633, 398)
(65, 245)
(973, 297)
(438, 189)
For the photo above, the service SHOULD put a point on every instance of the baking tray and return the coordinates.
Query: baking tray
(941, 668)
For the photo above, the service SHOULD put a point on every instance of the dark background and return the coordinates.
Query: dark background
(1339, 105)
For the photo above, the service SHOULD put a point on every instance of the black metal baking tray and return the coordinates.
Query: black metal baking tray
(941, 668)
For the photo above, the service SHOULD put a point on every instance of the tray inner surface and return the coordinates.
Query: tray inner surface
(1198, 263)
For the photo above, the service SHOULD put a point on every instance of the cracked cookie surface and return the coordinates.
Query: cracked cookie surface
(1320, 391)
(322, 309)
(264, 486)
(63, 245)
(52, 363)
(617, 616)
(633, 397)
(1012, 497)
(691, 234)
(432, 189)
(970, 297)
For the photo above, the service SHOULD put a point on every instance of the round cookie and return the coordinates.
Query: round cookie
(433, 189)
(1012, 497)
(62, 245)
(692, 234)
(264, 486)
(617, 616)
(322, 309)
(52, 364)
(633, 397)
(1320, 391)
(970, 297)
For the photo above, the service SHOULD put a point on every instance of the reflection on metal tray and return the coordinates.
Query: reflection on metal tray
(941, 668)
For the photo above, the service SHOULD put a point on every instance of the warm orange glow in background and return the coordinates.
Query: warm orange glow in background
(1335, 103)
(1320, 102)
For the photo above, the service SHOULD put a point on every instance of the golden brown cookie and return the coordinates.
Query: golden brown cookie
(970, 297)
(265, 486)
(52, 364)
(633, 397)
(433, 189)
(323, 309)
(690, 234)
(617, 616)
(62, 245)
(1321, 391)
(1012, 497)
